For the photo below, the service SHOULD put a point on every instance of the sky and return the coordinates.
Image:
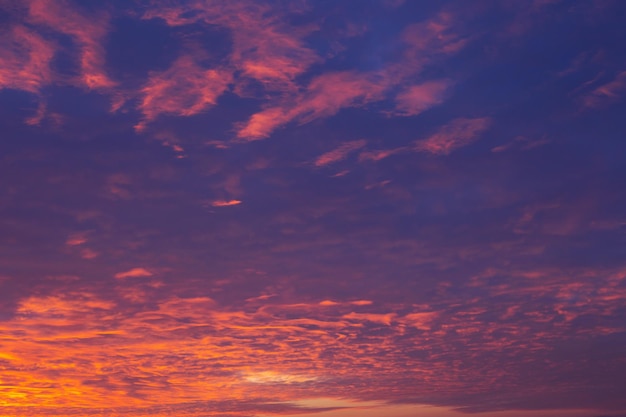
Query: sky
(313, 208)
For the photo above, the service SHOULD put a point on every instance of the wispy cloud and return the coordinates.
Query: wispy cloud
(134, 273)
(339, 153)
(225, 203)
(456, 134)
(607, 93)
(324, 96)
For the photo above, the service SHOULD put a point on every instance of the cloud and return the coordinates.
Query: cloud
(185, 350)
(184, 89)
(328, 93)
(324, 96)
(265, 48)
(133, 273)
(418, 98)
(427, 41)
(422, 320)
(606, 93)
(456, 134)
(339, 153)
(379, 154)
(76, 239)
(270, 53)
(522, 143)
(89, 32)
(25, 59)
(225, 203)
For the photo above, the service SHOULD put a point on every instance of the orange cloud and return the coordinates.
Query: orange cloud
(385, 319)
(88, 31)
(421, 320)
(225, 203)
(339, 153)
(133, 273)
(184, 89)
(129, 355)
(456, 134)
(418, 98)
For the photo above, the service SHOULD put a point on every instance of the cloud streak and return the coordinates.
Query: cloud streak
(454, 135)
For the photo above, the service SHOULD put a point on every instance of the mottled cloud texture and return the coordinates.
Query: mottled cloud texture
(304, 208)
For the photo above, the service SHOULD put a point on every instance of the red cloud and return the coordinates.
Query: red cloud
(456, 134)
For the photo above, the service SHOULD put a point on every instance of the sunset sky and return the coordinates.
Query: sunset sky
(313, 208)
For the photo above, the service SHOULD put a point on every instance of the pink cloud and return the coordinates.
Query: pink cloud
(133, 273)
(225, 203)
(264, 47)
(418, 98)
(425, 42)
(184, 89)
(325, 96)
(339, 153)
(88, 31)
(269, 51)
(456, 134)
(76, 239)
(262, 124)
(26, 60)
